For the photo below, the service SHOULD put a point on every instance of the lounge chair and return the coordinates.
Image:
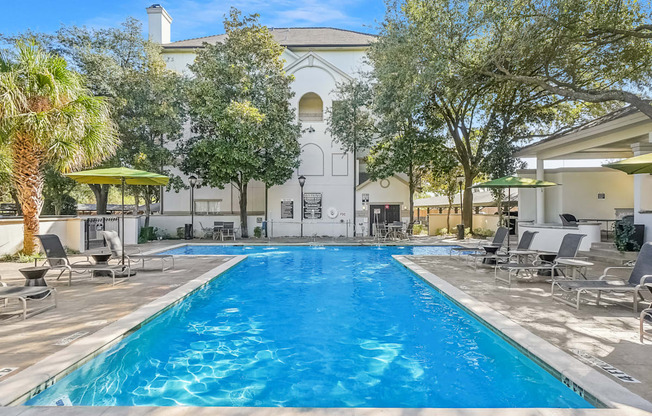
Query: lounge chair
(498, 241)
(115, 246)
(646, 316)
(217, 229)
(521, 250)
(57, 259)
(23, 294)
(640, 275)
(568, 248)
(568, 220)
(207, 232)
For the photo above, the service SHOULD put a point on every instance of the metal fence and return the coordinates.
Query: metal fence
(93, 226)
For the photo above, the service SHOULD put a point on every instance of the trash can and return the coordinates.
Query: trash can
(460, 231)
(188, 232)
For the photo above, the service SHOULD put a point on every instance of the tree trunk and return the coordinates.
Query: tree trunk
(243, 210)
(19, 209)
(148, 205)
(101, 193)
(467, 208)
(448, 216)
(412, 189)
(27, 178)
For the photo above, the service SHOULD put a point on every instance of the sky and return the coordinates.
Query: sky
(191, 18)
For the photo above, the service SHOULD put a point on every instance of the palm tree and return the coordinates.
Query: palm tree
(47, 116)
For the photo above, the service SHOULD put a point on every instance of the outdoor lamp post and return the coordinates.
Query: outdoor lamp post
(192, 180)
(302, 181)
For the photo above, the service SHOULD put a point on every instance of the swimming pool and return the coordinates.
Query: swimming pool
(313, 327)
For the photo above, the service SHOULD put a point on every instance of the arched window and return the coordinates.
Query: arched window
(311, 108)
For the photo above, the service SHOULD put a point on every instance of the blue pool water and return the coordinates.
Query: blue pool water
(313, 327)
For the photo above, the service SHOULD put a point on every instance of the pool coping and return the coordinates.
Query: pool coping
(582, 376)
(39, 376)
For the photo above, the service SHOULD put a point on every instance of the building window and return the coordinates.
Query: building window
(207, 206)
(311, 108)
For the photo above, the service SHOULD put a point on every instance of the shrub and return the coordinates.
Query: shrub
(146, 234)
(442, 231)
(483, 232)
(418, 229)
(258, 232)
(623, 233)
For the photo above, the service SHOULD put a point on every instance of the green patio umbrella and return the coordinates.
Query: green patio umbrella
(510, 182)
(633, 165)
(119, 176)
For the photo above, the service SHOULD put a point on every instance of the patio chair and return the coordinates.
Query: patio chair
(207, 232)
(568, 220)
(497, 241)
(646, 316)
(568, 249)
(217, 229)
(522, 249)
(57, 259)
(31, 293)
(640, 275)
(228, 231)
(114, 243)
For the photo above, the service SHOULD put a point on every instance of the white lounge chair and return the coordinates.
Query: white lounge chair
(115, 246)
(640, 275)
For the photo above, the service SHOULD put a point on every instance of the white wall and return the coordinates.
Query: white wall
(69, 230)
(170, 223)
(578, 192)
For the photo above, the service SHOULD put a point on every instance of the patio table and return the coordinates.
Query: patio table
(574, 265)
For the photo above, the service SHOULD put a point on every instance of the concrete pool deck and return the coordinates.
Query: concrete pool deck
(613, 332)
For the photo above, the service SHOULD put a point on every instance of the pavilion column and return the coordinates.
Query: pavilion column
(642, 194)
(540, 195)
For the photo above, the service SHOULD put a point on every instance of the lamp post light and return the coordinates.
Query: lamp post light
(192, 180)
(302, 181)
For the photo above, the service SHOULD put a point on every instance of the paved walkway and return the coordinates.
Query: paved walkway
(84, 308)
(608, 332)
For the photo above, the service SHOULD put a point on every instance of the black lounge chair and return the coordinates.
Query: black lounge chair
(115, 246)
(498, 241)
(568, 249)
(640, 275)
(57, 259)
(568, 220)
(522, 249)
(23, 294)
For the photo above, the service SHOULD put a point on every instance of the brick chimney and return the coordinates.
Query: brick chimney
(159, 24)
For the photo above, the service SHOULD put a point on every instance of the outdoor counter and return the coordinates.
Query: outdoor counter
(550, 235)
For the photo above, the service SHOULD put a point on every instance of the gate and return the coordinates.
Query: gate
(92, 228)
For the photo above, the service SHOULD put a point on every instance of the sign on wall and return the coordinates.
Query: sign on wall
(312, 205)
(365, 198)
(287, 208)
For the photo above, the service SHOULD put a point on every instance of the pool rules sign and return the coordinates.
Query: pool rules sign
(312, 205)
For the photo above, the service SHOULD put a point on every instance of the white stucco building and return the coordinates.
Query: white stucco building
(591, 193)
(318, 58)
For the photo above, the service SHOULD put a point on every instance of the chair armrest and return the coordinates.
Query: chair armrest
(49, 261)
(644, 280)
(605, 272)
(87, 261)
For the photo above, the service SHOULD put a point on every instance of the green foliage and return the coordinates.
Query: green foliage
(20, 257)
(350, 120)
(623, 233)
(146, 234)
(418, 229)
(258, 232)
(239, 98)
(483, 232)
(56, 191)
(148, 100)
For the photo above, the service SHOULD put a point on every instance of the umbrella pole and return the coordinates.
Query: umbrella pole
(124, 234)
(509, 214)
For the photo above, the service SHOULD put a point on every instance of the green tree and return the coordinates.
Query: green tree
(588, 50)
(351, 122)
(56, 191)
(433, 40)
(244, 126)
(47, 115)
(148, 99)
(441, 179)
